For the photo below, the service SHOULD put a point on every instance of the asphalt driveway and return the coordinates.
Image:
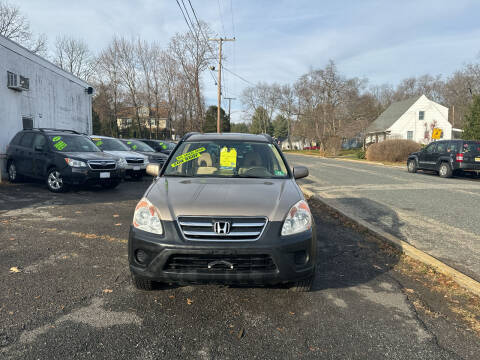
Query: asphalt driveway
(65, 293)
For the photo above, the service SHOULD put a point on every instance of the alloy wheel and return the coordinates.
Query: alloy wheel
(55, 180)
(12, 172)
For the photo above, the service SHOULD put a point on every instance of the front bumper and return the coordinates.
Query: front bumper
(79, 176)
(293, 257)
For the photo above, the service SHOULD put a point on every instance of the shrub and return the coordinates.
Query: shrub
(391, 150)
(360, 154)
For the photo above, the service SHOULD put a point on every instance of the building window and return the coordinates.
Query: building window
(409, 135)
(12, 79)
(421, 115)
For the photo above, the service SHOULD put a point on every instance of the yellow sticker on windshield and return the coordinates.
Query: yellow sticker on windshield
(228, 158)
(188, 156)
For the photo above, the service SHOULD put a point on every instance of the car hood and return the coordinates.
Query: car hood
(126, 154)
(175, 197)
(98, 155)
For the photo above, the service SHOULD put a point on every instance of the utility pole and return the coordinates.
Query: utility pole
(229, 105)
(219, 82)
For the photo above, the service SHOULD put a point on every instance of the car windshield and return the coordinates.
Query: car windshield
(73, 143)
(107, 144)
(227, 159)
(138, 145)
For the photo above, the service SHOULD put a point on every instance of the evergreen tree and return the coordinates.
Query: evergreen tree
(280, 127)
(96, 125)
(210, 124)
(239, 127)
(471, 130)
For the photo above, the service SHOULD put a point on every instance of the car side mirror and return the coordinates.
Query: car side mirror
(38, 148)
(153, 169)
(300, 172)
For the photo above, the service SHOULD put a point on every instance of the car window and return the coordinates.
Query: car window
(39, 140)
(27, 140)
(441, 147)
(471, 146)
(16, 139)
(138, 145)
(107, 144)
(430, 148)
(452, 147)
(73, 143)
(222, 158)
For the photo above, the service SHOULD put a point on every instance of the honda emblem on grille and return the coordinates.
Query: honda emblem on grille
(221, 227)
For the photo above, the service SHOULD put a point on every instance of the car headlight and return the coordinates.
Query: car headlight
(147, 217)
(299, 219)
(75, 163)
(122, 163)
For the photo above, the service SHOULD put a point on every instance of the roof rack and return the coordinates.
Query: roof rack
(53, 129)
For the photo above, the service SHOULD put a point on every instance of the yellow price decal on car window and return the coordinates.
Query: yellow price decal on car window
(188, 156)
(59, 144)
(228, 158)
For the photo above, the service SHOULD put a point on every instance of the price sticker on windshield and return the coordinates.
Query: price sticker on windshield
(228, 158)
(189, 156)
(59, 143)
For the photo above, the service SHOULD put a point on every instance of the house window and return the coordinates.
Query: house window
(409, 135)
(421, 115)
(12, 79)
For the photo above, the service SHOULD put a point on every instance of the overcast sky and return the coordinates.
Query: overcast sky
(278, 41)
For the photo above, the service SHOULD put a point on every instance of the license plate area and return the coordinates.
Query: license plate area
(104, 175)
(136, 168)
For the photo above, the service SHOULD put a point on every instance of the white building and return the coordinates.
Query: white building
(36, 93)
(412, 119)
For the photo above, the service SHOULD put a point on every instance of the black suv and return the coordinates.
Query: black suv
(162, 146)
(61, 158)
(447, 157)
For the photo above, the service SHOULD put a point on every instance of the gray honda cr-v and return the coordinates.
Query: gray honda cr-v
(224, 209)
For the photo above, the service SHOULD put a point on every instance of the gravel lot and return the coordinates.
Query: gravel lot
(69, 294)
(436, 215)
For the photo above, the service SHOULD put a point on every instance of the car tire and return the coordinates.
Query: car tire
(445, 171)
(143, 284)
(110, 184)
(412, 166)
(13, 176)
(55, 181)
(304, 285)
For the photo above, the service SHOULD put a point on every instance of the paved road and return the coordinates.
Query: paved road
(72, 297)
(438, 216)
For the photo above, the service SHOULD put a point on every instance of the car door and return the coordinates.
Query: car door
(440, 152)
(427, 156)
(40, 155)
(24, 155)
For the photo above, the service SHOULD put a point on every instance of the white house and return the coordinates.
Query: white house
(36, 93)
(412, 119)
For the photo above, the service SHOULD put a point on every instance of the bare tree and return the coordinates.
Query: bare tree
(16, 27)
(73, 55)
(145, 59)
(193, 53)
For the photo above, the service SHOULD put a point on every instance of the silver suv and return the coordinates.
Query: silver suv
(225, 208)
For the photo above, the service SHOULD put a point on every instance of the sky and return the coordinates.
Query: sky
(278, 41)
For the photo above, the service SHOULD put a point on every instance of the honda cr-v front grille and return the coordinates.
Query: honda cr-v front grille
(222, 228)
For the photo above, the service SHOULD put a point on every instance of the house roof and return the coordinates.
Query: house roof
(392, 114)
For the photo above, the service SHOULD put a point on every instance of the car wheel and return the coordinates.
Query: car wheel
(143, 284)
(110, 184)
(303, 285)
(445, 171)
(55, 181)
(412, 166)
(12, 172)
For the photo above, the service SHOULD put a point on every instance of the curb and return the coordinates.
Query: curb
(461, 279)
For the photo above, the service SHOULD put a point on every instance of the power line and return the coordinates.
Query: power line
(194, 33)
(201, 30)
(238, 76)
(221, 18)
